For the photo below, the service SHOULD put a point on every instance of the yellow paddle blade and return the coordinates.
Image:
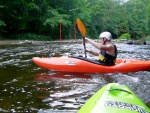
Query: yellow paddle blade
(81, 27)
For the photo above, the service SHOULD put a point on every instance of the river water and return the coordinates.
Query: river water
(27, 88)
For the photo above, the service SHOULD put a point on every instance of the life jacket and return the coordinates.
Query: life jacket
(107, 58)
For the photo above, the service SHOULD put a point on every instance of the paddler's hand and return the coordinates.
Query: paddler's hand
(87, 51)
(86, 40)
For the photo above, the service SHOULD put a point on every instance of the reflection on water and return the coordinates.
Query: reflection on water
(68, 90)
(28, 88)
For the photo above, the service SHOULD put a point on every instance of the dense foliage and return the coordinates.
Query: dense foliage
(43, 17)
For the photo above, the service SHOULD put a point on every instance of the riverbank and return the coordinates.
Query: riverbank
(20, 42)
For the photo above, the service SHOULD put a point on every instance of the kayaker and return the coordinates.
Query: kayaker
(108, 51)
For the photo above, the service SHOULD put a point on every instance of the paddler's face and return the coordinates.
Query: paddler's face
(102, 40)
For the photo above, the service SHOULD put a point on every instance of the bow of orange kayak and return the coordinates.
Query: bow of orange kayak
(114, 98)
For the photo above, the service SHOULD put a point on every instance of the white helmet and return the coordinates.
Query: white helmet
(106, 35)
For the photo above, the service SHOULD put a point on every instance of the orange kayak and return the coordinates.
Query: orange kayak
(85, 65)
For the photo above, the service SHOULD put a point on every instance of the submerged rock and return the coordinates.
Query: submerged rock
(137, 42)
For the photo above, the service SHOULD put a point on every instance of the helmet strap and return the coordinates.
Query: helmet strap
(104, 41)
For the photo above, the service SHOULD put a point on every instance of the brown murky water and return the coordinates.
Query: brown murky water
(28, 88)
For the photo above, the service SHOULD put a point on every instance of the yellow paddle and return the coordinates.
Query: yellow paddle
(82, 29)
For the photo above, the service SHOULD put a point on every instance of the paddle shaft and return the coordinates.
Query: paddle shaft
(84, 46)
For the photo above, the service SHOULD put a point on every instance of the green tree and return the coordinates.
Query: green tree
(2, 23)
(105, 15)
(148, 16)
(137, 18)
(13, 15)
(43, 17)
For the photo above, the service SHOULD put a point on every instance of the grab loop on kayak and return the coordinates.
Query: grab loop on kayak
(120, 90)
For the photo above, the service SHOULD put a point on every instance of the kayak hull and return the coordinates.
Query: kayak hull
(114, 98)
(70, 64)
